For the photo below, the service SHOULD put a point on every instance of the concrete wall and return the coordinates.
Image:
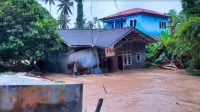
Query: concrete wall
(41, 98)
(134, 47)
(148, 24)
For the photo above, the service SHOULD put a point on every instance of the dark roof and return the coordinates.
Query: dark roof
(133, 11)
(96, 37)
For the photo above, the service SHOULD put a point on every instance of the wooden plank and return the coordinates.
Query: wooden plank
(99, 104)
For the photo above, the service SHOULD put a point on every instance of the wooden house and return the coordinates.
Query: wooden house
(107, 50)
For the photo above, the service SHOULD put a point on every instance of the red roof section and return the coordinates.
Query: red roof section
(133, 11)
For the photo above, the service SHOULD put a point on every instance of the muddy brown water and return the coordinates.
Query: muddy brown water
(139, 91)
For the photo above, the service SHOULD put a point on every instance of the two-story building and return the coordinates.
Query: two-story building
(149, 22)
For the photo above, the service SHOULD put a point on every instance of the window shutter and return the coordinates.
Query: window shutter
(131, 23)
(160, 24)
(135, 23)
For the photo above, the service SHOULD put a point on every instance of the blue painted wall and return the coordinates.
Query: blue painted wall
(148, 24)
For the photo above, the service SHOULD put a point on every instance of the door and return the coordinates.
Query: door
(120, 62)
(110, 62)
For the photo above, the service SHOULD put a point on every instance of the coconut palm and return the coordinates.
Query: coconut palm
(64, 21)
(65, 7)
(50, 2)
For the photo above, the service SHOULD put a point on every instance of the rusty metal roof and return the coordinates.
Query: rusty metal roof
(96, 37)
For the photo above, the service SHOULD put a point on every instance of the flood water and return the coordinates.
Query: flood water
(139, 91)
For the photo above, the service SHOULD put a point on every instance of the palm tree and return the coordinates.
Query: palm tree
(50, 3)
(64, 21)
(65, 7)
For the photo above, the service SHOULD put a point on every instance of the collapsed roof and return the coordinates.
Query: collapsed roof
(98, 37)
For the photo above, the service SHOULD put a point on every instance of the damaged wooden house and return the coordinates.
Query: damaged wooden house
(103, 50)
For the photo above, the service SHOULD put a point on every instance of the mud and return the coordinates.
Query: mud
(139, 91)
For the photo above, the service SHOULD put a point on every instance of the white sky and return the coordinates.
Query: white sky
(102, 8)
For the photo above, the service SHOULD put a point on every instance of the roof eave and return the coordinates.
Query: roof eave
(106, 18)
(131, 29)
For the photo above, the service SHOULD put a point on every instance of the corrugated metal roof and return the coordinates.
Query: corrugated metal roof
(94, 37)
(134, 11)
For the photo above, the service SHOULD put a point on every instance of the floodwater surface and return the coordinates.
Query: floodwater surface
(139, 91)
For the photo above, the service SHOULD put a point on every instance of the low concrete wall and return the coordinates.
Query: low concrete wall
(41, 98)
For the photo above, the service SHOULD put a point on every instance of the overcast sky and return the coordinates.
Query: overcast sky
(102, 8)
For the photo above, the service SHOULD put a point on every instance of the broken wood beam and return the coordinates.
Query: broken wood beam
(99, 104)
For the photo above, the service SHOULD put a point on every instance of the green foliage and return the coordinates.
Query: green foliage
(165, 40)
(188, 41)
(28, 32)
(191, 7)
(176, 17)
(152, 49)
(184, 44)
(79, 20)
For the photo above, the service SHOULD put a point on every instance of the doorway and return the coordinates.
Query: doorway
(120, 62)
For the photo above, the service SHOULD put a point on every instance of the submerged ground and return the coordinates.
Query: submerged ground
(139, 91)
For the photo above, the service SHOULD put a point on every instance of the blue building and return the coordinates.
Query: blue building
(149, 22)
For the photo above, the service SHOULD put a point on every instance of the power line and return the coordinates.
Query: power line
(117, 8)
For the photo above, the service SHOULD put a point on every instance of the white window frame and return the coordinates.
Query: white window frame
(127, 58)
(140, 59)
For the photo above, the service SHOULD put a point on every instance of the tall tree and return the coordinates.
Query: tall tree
(79, 18)
(50, 2)
(191, 7)
(176, 17)
(28, 32)
(188, 41)
(64, 21)
(65, 8)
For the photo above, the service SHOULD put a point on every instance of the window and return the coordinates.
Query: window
(112, 26)
(133, 23)
(138, 57)
(162, 24)
(121, 25)
(127, 59)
